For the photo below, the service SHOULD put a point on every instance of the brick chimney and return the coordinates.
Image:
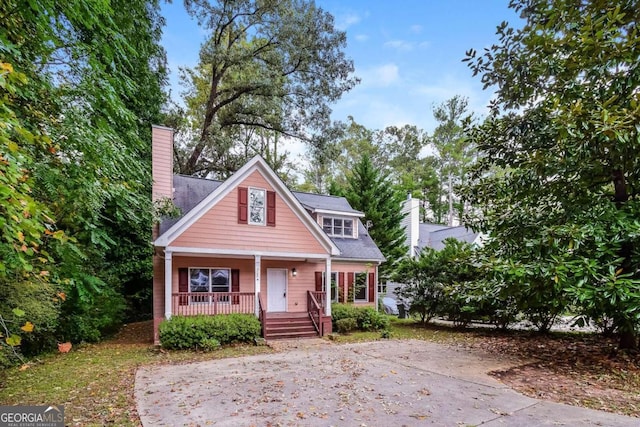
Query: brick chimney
(162, 162)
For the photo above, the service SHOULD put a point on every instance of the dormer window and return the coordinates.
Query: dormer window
(338, 227)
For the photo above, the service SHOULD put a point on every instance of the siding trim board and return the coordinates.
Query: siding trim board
(178, 251)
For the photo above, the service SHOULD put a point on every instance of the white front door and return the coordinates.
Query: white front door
(276, 289)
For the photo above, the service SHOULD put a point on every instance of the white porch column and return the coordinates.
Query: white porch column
(327, 275)
(168, 276)
(256, 273)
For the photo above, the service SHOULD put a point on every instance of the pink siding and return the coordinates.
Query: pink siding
(297, 287)
(219, 227)
(162, 162)
(355, 267)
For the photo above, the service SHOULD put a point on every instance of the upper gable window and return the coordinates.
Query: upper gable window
(257, 206)
(338, 227)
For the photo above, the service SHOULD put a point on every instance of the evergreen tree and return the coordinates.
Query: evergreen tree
(370, 191)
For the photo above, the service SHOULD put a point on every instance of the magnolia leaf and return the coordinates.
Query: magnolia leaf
(13, 340)
(62, 296)
(27, 327)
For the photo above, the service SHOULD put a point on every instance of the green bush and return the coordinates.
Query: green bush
(346, 325)
(371, 320)
(208, 332)
(367, 318)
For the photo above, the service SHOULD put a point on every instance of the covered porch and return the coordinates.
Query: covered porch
(279, 289)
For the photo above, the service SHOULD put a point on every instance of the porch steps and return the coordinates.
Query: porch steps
(289, 325)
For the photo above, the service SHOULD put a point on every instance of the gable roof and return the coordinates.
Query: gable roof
(433, 235)
(320, 203)
(218, 190)
(362, 248)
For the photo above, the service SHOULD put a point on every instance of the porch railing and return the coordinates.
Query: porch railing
(262, 313)
(212, 303)
(321, 297)
(315, 311)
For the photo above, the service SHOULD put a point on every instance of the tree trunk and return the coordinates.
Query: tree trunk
(628, 339)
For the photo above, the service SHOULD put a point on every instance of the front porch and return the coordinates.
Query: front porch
(310, 323)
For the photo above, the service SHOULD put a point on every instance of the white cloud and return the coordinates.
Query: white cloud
(347, 20)
(381, 76)
(361, 37)
(424, 44)
(401, 45)
(415, 29)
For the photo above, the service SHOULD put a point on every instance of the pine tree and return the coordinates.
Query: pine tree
(370, 191)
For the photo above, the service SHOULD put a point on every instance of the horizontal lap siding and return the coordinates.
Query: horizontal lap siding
(219, 227)
(162, 165)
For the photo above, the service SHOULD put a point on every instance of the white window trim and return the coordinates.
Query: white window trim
(264, 206)
(209, 301)
(324, 285)
(354, 226)
(366, 287)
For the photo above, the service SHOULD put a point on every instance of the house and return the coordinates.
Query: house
(420, 235)
(250, 245)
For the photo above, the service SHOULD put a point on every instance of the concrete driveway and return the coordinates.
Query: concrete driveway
(384, 383)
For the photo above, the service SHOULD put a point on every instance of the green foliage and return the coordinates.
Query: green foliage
(365, 318)
(80, 85)
(371, 320)
(370, 191)
(346, 325)
(558, 175)
(202, 332)
(268, 69)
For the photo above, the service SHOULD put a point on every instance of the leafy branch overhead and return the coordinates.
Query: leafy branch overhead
(267, 66)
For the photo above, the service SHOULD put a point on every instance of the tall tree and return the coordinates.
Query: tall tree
(271, 64)
(454, 150)
(369, 190)
(563, 129)
(89, 85)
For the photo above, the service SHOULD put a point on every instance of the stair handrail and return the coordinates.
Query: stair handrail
(314, 310)
(262, 315)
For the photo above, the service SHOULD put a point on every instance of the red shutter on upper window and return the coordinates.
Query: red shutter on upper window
(183, 285)
(372, 287)
(350, 280)
(271, 208)
(318, 281)
(235, 285)
(243, 203)
(341, 284)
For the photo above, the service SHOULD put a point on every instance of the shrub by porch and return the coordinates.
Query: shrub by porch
(201, 332)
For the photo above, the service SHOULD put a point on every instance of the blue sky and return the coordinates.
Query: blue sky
(407, 52)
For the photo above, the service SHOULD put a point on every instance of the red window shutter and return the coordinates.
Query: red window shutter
(243, 205)
(318, 281)
(271, 208)
(235, 284)
(372, 287)
(183, 285)
(350, 281)
(341, 284)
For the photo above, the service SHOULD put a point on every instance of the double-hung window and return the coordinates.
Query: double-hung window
(360, 288)
(203, 281)
(257, 206)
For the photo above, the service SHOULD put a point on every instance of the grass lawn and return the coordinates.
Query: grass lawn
(95, 382)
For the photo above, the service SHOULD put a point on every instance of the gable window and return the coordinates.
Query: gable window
(257, 206)
(206, 280)
(338, 227)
